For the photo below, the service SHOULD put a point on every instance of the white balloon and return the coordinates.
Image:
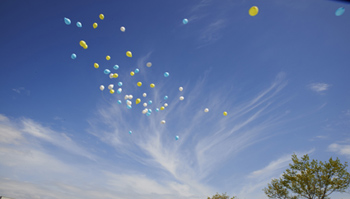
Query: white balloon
(162, 122)
(144, 95)
(166, 104)
(102, 87)
(182, 98)
(206, 110)
(111, 75)
(144, 111)
(145, 104)
(181, 89)
(122, 29)
(111, 86)
(130, 96)
(149, 64)
(128, 102)
(126, 97)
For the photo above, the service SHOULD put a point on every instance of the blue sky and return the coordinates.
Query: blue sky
(281, 75)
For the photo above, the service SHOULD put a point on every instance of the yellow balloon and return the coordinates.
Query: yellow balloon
(115, 75)
(128, 53)
(102, 16)
(85, 46)
(95, 25)
(96, 65)
(253, 11)
(108, 57)
(152, 85)
(162, 108)
(139, 84)
(225, 113)
(82, 43)
(138, 100)
(132, 73)
(111, 91)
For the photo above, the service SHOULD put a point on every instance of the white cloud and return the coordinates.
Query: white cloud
(319, 87)
(341, 149)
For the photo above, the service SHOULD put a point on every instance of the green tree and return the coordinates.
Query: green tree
(222, 196)
(311, 180)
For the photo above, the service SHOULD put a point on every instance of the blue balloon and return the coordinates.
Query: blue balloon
(185, 21)
(73, 56)
(67, 21)
(79, 25)
(166, 74)
(119, 90)
(107, 71)
(120, 83)
(137, 70)
(130, 132)
(157, 109)
(150, 102)
(177, 137)
(340, 11)
(128, 106)
(150, 110)
(165, 97)
(116, 67)
(119, 101)
(148, 113)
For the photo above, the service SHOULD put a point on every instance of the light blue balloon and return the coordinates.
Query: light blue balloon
(177, 137)
(67, 21)
(166, 74)
(119, 90)
(128, 106)
(73, 56)
(79, 25)
(157, 109)
(148, 113)
(137, 70)
(340, 11)
(165, 97)
(185, 21)
(116, 67)
(150, 102)
(119, 102)
(150, 110)
(130, 132)
(120, 83)
(106, 71)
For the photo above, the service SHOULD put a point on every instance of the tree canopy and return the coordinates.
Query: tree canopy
(311, 180)
(221, 196)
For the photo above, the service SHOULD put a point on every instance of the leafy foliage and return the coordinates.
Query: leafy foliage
(221, 196)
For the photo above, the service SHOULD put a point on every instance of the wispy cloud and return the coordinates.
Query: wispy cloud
(211, 32)
(21, 90)
(319, 87)
(342, 149)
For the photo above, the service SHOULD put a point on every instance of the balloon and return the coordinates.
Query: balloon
(181, 89)
(139, 84)
(126, 97)
(122, 29)
(157, 109)
(144, 94)
(340, 11)
(73, 56)
(162, 122)
(129, 106)
(128, 53)
(115, 67)
(148, 113)
(150, 102)
(102, 16)
(115, 75)
(253, 11)
(166, 105)
(111, 91)
(137, 70)
(111, 75)
(130, 132)
(95, 25)
(119, 90)
(177, 137)
(106, 71)
(83, 43)
(152, 85)
(79, 25)
(149, 64)
(120, 83)
(132, 73)
(67, 21)
(128, 102)
(111, 86)
(165, 97)
(138, 100)
(185, 21)
(225, 113)
(145, 104)
(181, 98)
(102, 87)
(96, 65)
(144, 111)
(108, 57)
(85, 46)
(130, 96)
(166, 74)
(162, 108)
(206, 110)
(119, 101)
